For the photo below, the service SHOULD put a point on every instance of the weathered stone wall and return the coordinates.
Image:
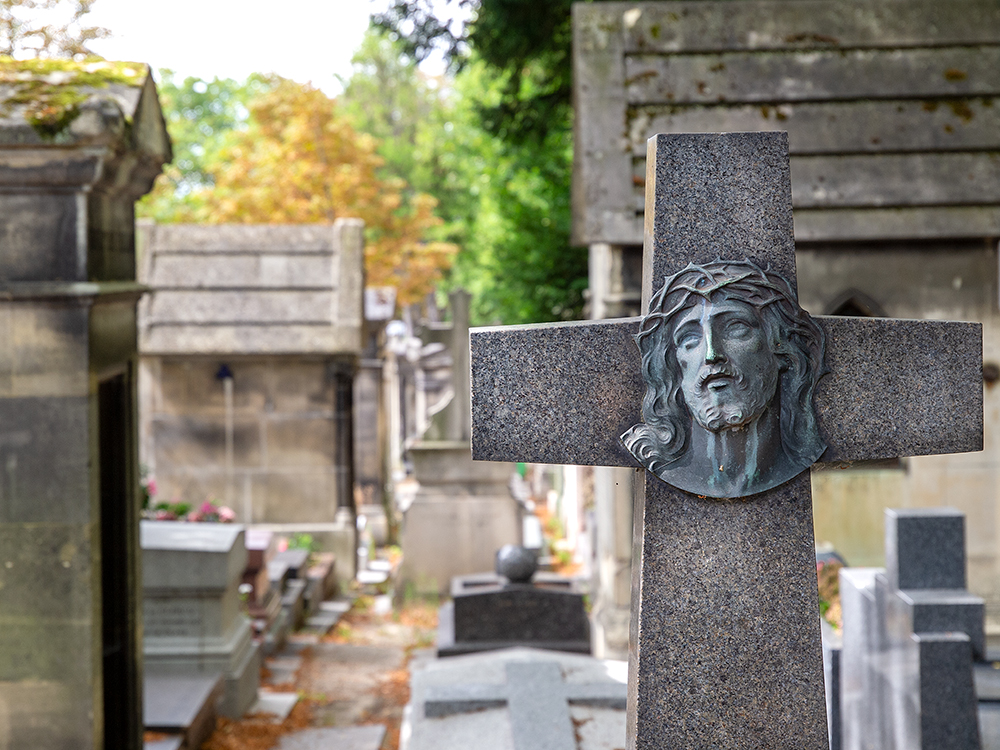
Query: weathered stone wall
(885, 105)
(937, 280)
(284, 436)
(70, 597)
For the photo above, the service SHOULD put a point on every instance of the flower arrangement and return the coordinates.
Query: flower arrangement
(210, 511)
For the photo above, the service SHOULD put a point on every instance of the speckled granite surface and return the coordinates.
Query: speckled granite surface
(729, 653)
(717, 195)
(565, 393)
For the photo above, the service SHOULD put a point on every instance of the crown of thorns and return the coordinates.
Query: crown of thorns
(756, 286)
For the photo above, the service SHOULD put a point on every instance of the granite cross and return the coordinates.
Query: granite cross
(725, 646)
(536, 696)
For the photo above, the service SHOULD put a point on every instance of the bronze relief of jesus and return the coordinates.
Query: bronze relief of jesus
(731, 363)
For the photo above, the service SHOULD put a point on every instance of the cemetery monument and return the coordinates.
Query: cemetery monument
(249, 343)
(80, 142)
(725, 639)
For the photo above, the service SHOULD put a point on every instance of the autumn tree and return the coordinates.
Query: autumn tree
(297, 160)
(202, 117)
(47, 28)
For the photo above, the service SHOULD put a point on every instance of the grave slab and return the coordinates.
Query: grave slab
(280, 705)
(516, 699)
(488, 613)
(185, 704)
(342, 738)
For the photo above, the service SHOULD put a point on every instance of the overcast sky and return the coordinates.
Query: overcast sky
(305, 40)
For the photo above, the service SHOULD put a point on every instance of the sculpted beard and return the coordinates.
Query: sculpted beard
(728, 399)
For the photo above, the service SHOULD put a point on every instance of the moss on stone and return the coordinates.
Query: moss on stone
(51, 91)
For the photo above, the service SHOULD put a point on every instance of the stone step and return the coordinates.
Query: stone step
(168, 743)
(279, 705)
(327, 616)
(335, 738)
(184, 705)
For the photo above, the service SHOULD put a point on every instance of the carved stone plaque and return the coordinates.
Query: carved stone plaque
(730, 363)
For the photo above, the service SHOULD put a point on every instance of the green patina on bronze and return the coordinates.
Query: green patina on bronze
(52, 91)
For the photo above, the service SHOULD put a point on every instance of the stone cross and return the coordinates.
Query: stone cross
(537, 699)
(725, 646)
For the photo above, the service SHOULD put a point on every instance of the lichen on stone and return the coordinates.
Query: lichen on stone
(48, 93)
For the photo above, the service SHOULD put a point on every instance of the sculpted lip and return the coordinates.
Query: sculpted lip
(716, 380)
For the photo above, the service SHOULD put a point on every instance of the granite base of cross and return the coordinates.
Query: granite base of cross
(725, 647)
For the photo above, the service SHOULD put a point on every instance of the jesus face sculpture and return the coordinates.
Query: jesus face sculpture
(730, 362)
(728, 372)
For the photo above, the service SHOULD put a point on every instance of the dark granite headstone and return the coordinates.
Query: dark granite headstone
(725, 646)
(488, 612)
(925, 548)
(908, 654)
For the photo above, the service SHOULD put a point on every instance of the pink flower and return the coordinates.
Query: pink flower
(226, 514)
(282, 545)
(165, 515)
(151, 487)
(194, 516)
(207, 507)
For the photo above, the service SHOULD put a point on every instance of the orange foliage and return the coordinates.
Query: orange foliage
(299, 163)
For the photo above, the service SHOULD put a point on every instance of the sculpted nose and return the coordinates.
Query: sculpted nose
(713, 352)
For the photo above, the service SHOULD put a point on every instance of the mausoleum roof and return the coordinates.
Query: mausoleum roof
(45, 102)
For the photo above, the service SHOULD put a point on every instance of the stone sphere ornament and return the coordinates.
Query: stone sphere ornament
(517, 564)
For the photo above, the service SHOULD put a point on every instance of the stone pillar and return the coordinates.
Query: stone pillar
(466, 502)
(70, 645)
(460, 409)
(346, 536)
(615, 273)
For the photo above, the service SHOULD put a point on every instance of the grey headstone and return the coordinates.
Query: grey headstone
(192, 616)
(948, 716)
(945, 611)
(925, 548)
(860, 652)
(908, 654)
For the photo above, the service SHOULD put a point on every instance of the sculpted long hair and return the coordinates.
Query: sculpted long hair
(795, 338)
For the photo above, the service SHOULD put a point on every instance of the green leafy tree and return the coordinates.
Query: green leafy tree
(504, 182)
(202, 118)
(527, 44)
(47, 28)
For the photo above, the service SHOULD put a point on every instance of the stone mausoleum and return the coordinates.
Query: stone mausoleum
(893, 128)
(249, 340)
(79, 144)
